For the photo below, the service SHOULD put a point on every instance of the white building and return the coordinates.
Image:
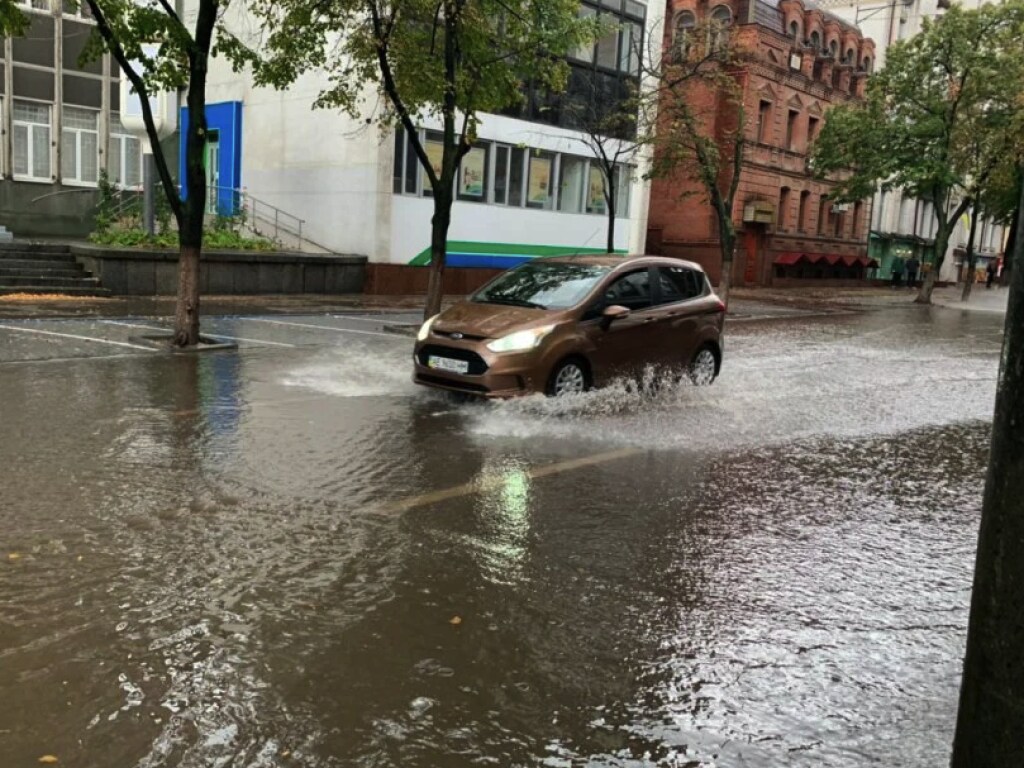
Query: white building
(902, 226)
(527, 189)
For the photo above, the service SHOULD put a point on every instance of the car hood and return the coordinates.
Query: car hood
(490, 321)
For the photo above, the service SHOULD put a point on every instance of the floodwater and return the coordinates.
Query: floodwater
(290, 556)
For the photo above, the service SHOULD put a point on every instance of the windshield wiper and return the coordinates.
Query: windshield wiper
(510, 302)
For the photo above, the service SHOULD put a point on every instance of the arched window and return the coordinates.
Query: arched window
(794, 30)
(833, 49)
(867, 64)
(685, 22)
(816, 40)
(850, 56)
(721, 18)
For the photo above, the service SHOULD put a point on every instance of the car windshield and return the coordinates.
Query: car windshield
(543, 285)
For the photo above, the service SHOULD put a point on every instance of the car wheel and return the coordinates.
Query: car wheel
(703, 367)
(568, 378)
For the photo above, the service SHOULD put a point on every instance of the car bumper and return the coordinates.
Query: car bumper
(494, 375)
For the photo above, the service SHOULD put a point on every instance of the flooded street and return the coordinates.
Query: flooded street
(289, 555)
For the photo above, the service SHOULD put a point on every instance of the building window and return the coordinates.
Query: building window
(572, 180)
(867, 64)
(721, 18)
(685, 22)
(473, 173)
(794, 30)
(850, 56)
(833, 49)
(791, 119)
(823, 215)
(839, 221)
(80, 146)
(622, 190)
(584, 53)
(32, 140)
(764, 121)
(812, 129)
(540, 180)
(783, 208)
(608, 49)
(858, 214)
(801, 220)
(815, 40)
(124, 156)
(35, 5)
(630, 48)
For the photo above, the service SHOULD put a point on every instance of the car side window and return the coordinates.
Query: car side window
(632, 291)
(679, 284)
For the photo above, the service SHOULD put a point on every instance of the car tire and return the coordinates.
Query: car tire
(570, 377)
(703, 369)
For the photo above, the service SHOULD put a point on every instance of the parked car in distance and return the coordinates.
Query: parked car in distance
(561, 325)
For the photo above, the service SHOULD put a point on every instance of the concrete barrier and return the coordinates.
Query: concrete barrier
(135, 272)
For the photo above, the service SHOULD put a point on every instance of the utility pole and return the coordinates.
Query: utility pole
(989, 730)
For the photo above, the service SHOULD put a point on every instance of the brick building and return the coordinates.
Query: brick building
(797, 62)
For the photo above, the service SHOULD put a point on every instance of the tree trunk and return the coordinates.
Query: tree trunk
(186, 314)
(610, 200)
(924, 295)
(727, 244)
(190, 232)
(970, 258)
(988, 729)
(438, 254)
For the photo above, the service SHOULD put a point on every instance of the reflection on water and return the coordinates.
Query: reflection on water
(205, 571)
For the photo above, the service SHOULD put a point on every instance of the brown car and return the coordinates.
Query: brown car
(564, 324)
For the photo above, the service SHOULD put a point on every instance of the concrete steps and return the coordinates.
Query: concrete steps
(43, 268)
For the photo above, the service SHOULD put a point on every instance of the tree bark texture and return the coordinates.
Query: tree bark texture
(190, 232)
(990, 722)
(438, 256)
(924, 295)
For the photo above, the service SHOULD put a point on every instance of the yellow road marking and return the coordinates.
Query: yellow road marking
(483, 484)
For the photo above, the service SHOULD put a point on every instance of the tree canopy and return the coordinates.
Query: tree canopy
(940, 121)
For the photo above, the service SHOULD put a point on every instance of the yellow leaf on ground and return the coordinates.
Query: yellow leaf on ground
(455, 621)
(49, 759)
(14, 556)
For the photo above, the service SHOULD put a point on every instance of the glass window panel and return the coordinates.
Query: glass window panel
(632, 290)
(41, 152)
(27, 112)
(516, 183)
(570, 187)
(69, 155)
(595, 191)
(399, 157)
(585, 53)
(539, 189)
(412, 168)
(629, 54)
(607, 49)
(472, 183)
(114, 161)
(21, 150)
(622, 193)
(132, 162)
(89, 148)
(501, 176)
(85, 119)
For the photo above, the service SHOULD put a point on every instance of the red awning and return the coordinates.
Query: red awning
(789, 259)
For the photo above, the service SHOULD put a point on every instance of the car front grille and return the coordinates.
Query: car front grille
(477, 365)
(476, 389)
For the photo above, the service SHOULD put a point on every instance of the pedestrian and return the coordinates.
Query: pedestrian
(990, 273)
(913, 265)
(897, 271)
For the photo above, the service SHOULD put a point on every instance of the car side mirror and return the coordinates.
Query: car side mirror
(613, 313)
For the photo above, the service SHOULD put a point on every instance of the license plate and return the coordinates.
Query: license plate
(447, 364)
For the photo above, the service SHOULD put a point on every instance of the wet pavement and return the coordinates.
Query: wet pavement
(290, 556)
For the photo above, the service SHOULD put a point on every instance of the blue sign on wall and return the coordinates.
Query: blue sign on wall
(224, 124)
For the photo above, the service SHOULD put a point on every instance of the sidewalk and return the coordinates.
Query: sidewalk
(982, 299)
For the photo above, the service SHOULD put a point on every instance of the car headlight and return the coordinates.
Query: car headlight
(425, 329)
(520, 340)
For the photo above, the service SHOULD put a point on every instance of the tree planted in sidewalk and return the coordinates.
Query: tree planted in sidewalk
(988, 728)
(937, 119)
(435, 61)
(696, 122)
(130, 32)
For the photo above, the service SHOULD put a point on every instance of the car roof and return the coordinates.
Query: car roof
(621, 261)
